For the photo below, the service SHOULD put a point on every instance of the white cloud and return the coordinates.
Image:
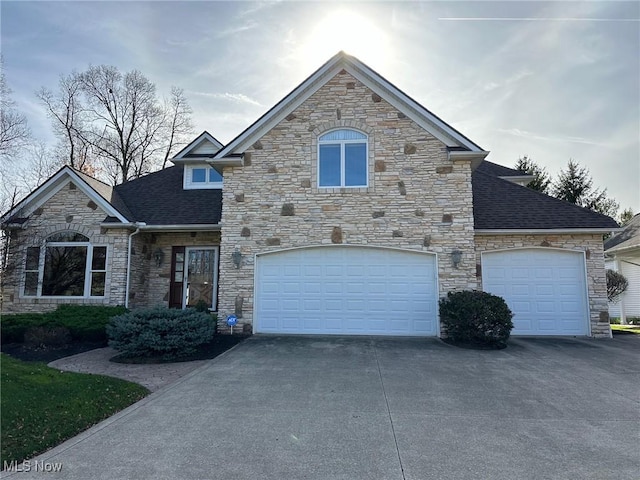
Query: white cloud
(235, 97)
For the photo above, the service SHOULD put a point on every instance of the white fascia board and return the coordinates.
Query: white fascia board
(617, 250)
(52, 186)
(368, 77)
(203, 136)
(212, 227)
(280, 111)
(548, 231)
(96, 197)
(419, 114)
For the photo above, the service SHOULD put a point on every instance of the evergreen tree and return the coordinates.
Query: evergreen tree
(541, 181)
(575, 185)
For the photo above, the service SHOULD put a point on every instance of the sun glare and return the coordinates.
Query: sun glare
(349, 31)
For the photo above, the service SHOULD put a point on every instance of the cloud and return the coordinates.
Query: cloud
(550, 138)
(234, 97)
(231, 31)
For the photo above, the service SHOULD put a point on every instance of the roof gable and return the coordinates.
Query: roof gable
(101, 193)
(341, 61)
(203, 146)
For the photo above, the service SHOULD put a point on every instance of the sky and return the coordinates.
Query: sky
(551, 80)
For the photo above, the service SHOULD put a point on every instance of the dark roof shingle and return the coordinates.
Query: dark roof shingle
(503, 205)
(629, 237)
(496, 170)
(159, 199)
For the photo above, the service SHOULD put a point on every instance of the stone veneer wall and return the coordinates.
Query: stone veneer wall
(417, 198)
(596, 277)
(150, 283)
(68, 209)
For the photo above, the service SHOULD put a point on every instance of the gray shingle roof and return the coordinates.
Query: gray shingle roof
(496, 170)
(107, 192)
(629, 237)
(159, 199)
(503, 205)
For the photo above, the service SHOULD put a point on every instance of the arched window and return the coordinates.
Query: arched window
(68, 265)
(342, 159)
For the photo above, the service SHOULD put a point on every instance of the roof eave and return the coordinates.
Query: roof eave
(476, 157)
(374, 81)
(543, 231)
(214, 227)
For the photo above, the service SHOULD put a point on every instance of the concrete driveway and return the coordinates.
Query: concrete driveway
(379, 408)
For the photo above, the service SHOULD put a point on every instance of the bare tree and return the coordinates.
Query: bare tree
(66, 111)
(14, 132)
(179, 126)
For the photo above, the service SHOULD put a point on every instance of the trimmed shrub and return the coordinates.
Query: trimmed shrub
(47, 336)
(160, 332)
(13, 327)
(616, 285)
(476, 317)
(86, 323)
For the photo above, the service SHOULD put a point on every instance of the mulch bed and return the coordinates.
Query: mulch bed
(207, 351)
(43, 353)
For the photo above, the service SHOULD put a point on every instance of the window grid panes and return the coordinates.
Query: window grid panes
(67, 266)
(342, 159)
(32, 271)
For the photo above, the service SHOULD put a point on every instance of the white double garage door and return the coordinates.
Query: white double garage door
(354, 290)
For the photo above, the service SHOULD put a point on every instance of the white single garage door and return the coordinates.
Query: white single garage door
(545, 289)
(346, 291)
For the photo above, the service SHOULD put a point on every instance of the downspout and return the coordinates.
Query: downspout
(126, 290)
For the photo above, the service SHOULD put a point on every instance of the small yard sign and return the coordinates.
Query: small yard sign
(231, 321)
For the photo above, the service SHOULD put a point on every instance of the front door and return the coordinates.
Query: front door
(200, 277)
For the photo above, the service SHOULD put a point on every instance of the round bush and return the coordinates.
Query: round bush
(476, 317)
(160, 332)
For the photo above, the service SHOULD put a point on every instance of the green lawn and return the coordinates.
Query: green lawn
(41, 406)
(626, 328)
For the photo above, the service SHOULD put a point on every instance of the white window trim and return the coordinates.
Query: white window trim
(342, 143)
(87, 272)
(188, 184)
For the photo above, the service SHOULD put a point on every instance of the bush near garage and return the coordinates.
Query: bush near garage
(168, 334)
(474, 317)
(86, 323)
(616, 285)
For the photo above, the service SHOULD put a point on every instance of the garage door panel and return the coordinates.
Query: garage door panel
(545, 289)
(348, 290)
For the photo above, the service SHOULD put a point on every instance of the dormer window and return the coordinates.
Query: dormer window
(342, 159)
(201, 177)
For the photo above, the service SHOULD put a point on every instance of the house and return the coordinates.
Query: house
(347, 208)
(622, 254)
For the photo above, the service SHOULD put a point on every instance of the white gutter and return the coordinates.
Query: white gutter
(168, 228)
(505, 231)
(126, 289)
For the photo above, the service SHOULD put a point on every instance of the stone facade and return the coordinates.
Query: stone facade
(416, 198)
(68, 210)
(590, 244)
(150, 282)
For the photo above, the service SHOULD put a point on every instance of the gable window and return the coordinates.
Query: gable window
(342, 159)
(68, 265)
(201, 177)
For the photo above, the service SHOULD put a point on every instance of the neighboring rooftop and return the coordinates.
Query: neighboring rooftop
(627, 238)
(503, 205)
